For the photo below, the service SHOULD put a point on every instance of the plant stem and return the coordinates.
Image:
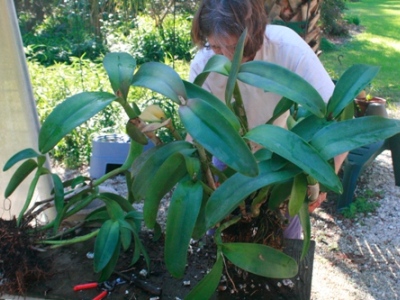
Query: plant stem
(28, 200)
(79, 239)
(206, 168)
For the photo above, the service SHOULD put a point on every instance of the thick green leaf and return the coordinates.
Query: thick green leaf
(309, 126)
(162, 79)
(236, 188)
(126, 230)
(283, 105)
(167, 176)
(298, 151)
(182, 215)
(113, 205)
(218, 63)
(212, 130)
(74, 182)
(106, 243)
(120, 68)
(207, 286)
(147, 164)
(58, 192)
(99, 215)
(279, 80)
(77, 204)
(200, 228)
(279, 193)
(107, 271)
(20, 174)
(193, 167)
(236, 61)
(340, 137)
(260, 260)
(298, 194)
(121, 201)
(23, 154)
(69, 114)
(263, 154)
(194, 91)
(350, 84)
(306, 225)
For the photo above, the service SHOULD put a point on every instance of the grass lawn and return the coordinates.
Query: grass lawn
(378, 44)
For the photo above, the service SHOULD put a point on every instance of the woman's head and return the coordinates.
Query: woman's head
(219, 24)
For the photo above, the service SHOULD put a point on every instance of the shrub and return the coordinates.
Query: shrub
(332, 17)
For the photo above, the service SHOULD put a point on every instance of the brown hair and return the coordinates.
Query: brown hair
(224, 18)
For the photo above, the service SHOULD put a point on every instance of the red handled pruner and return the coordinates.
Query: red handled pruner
(91, 285)
(105, 286)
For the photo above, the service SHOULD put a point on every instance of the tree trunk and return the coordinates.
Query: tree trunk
(300, 15)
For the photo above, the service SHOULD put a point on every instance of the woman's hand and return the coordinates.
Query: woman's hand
(315, 197)
(317, 203)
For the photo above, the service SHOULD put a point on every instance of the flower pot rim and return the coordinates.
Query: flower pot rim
(373, 99)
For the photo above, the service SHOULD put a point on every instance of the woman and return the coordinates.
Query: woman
(216, 28)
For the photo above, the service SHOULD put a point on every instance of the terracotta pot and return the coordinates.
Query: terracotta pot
(361, 106)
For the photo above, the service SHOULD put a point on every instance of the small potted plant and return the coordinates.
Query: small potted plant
(364, 99)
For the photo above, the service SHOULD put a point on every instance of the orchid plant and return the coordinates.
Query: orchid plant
(252, 183)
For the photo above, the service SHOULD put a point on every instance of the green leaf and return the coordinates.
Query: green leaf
(236, 61)
(350, 84)
(279, 80)
(212, 130)
(309, 126)
(218, 64)
(69, 114)
(114, 209)
(306, 225)
(126, 231)
(193, 167)
(120, 68)
(197, 92)
(260, 260)
(106, 243)
(20, 174)
(279, 193)
(107, 271)
(292, 147)
(136, 217)
(182, 215)
(298, 194)
(162, 79)
(283, 106)
(236, 188)
(340, 137)
(147, 164)
(207, 286)
(169, 173)
(99, 214)
(200, 228)
(23, 154)
(58, 192)
(121, 201)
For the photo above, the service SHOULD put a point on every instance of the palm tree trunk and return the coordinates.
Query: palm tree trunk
(300, 15)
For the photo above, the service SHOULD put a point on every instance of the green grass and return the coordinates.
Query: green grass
(378, 44)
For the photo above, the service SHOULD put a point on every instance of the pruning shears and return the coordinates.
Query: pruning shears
(106, 287)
